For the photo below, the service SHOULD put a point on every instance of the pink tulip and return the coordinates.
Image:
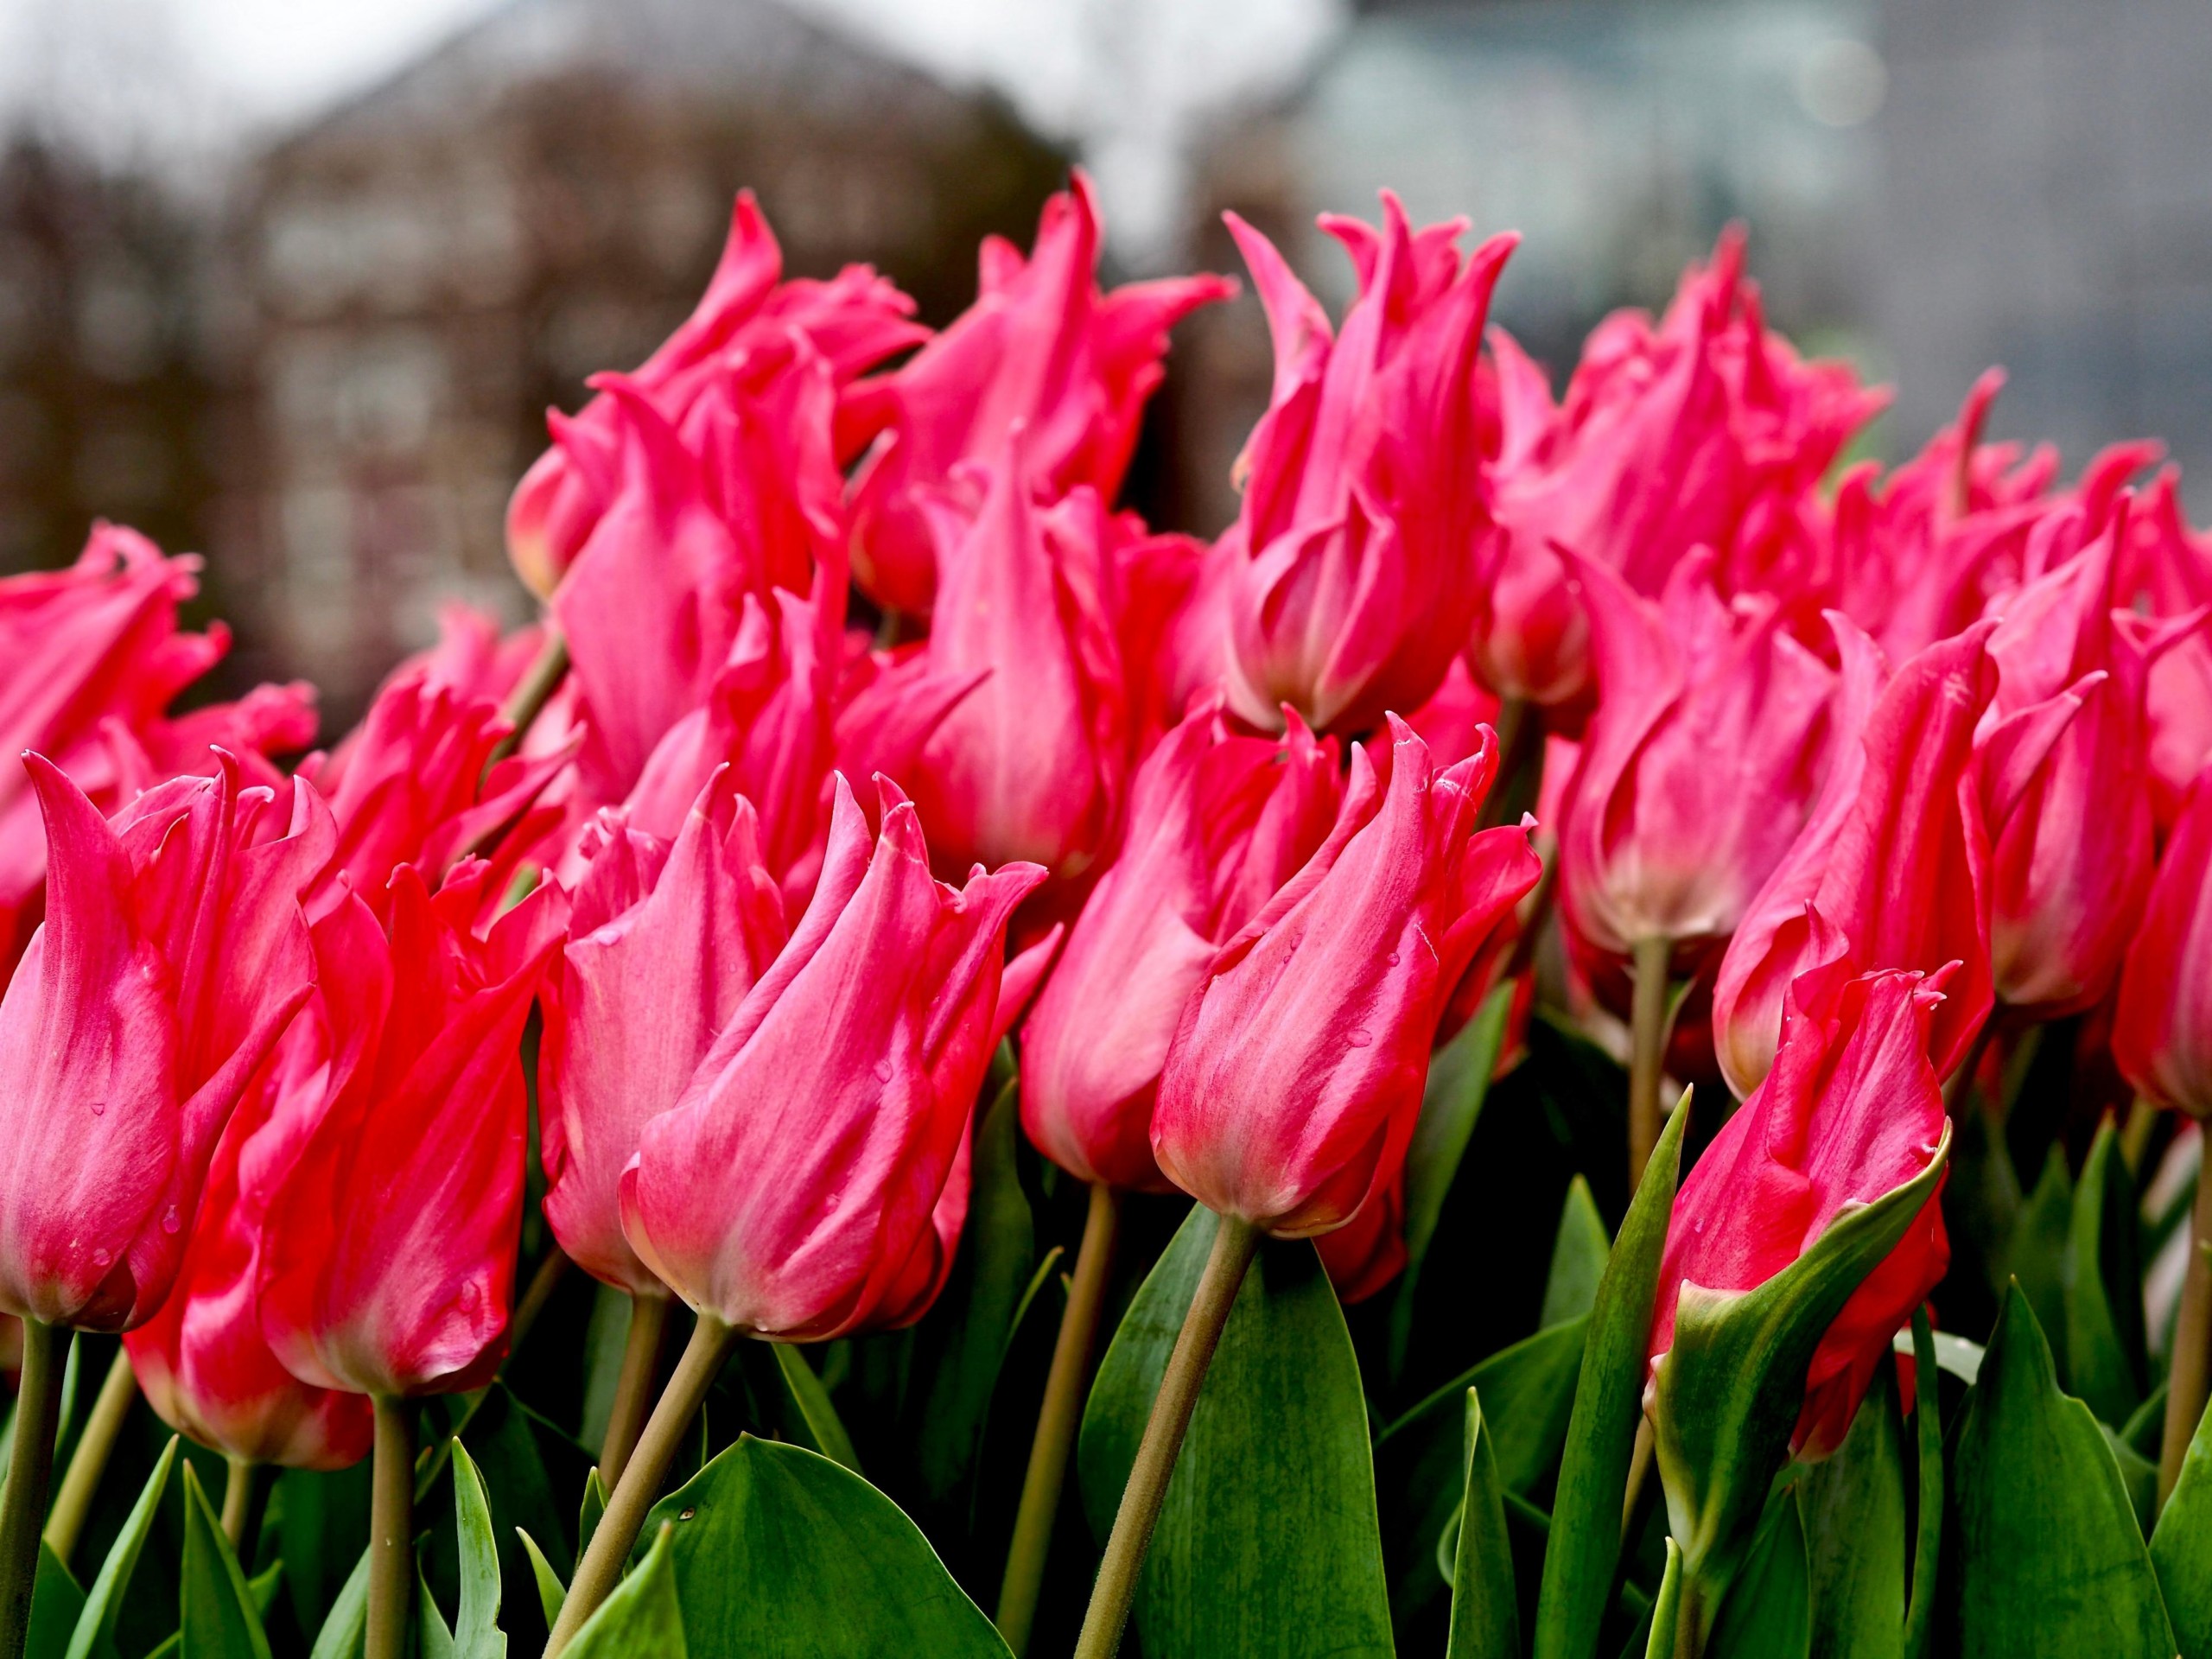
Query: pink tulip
(173, 955)
(1042, 347)
(809, 1181)
(1363, 497)
(1697, 771)
(2166, 575)
(1218, 824)
(1291, 1085)
(1895, 856)
(664, 943)
(741, 334)
(390, 1232)
(1850, 1110)
(2162, 1029)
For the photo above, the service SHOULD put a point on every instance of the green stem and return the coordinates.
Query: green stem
(1234, 1246)
(531, 693)
(2190, 1372)
(1639, 1471)
(238, 1498)
(1693, 1617)
(1648, 963)
(542, 1283)
(72, 1500)
(634, 1387)
(22, 1503)
(1920, 1613)
(2135, 1136)
(1058, 1419)
(600, 1570)
(392, 1530)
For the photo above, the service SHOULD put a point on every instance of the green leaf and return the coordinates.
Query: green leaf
(2102, 1286)
(1927, 1529)
(781, 1552)
(263, 1588)
(960, 1346)
(1527, 1393)
(433, 1640)
(1766, 1615)
(1667, 1609)
(588, 1514)
(1578, 1253)
(476, 1630)
(551, 1593)
(507, 1446)
(1586, 1536)
(1852, 1506)
(642, 1619)
(824, 1432)
(57, 1607)
(2143, 1432)
(2038, 1256)
(1459, 1082)
(345, 1629)
(215, 1610)
(95, 1632)
(2181, 1550)
(2138, 1474)
(1485, 1619)
(1727, 1395)
(2045, 1556)
(1268, 1540)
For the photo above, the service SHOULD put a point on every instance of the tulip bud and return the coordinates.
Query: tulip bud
(388, 1246)
(664, 942)
(1043, 348)
(1218, 824)
(173, 955)
(2162, 1030)
(1294, 1078)
(1348, 594)
(809, 1181)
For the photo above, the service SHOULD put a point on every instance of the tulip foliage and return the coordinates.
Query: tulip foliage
(923, 1066)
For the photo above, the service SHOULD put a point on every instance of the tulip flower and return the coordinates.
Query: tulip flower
(1896, 855)
(742, 333)
(1347, 593)
(95, 658)
(2166, 576)
(2073, 862)
(1291, 1085)
(1042, 347)
(1851, 1109)
(1218, 824)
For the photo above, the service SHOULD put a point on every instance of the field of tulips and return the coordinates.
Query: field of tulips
(1584, 1037)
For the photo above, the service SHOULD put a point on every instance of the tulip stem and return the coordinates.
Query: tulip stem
(2191, 1370)
(1649, 960)
(72, 1500)
(531, 693)
(542, 1283)
(634, 1389)
(30, 1467)
(600, 1570)
(1065, 1388)
(1234, 1246)
(238, 1498)
(392, 1530)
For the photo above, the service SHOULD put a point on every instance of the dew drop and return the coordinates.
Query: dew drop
(1357, 1037)
(99, 1108)
(1392, 959)
(101, 1258)
(687, 1512)
(170, 1220)
(469, 1296)
(883, 1070)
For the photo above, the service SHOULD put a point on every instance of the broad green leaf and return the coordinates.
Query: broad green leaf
(606, 1335)
(2181, 1550)
(551, 1592)
(1726, 1395)
(1586, 1536)
(2037, 1257)
(1927, 1527)
(811, 1400)
(2102, 1285)
(1578, 1253)
(95, 1632)
(476, 1627)
(432, 1639)
(1485, 1619)
(641, 1619)
(1853, 1505)
(1766, 1615)
(2045, 1556)
(588, 1514)
(1268, 1540)
(507, 1445)
(57, 1607)
(323, 1531)
(2137, 1474)
(781, 1552)
(1959, 1355)
(959, 1347)
(2144, 1431)
(216, 1618)
(1527, 1392)
(1459, 1082)
(346, 1630)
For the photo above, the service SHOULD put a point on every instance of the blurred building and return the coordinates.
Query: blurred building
(422, 272)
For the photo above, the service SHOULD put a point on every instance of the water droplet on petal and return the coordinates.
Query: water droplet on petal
(469, 1296)
(883, 1070)
(170, 1220)
(1357, 1037)
(99, 1108)
(101, 1258)
(1392, 959)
